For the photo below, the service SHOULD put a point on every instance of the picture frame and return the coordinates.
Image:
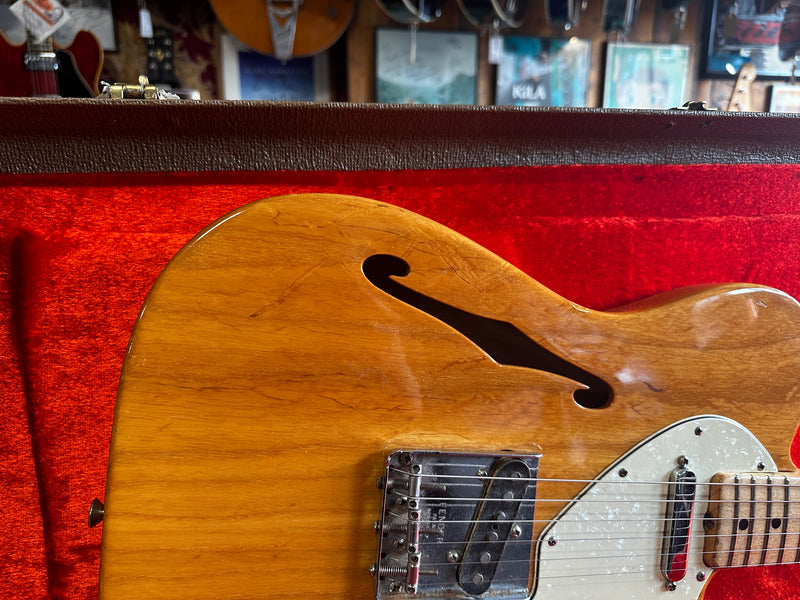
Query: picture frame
(535, 71)
(251, 75)
(426, 67)
(92, 15)
(784, 98)
(735, 33)
(646, 76)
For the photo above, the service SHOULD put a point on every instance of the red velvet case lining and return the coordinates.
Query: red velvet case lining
(80, 252)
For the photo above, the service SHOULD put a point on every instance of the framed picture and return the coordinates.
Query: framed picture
(426, 67)
(784, 98)
(250, 75)
(543, 72)
(92, 15)
(737, 32)
(646, 75)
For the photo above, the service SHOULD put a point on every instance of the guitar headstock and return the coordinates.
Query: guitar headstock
(741, 96)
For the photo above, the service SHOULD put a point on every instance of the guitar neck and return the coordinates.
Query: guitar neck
(41, 61)
(753, 519)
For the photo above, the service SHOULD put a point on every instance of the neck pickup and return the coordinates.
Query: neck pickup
(752, 519)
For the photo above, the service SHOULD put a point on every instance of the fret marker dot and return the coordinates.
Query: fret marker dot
(743, 524)
(775, 523)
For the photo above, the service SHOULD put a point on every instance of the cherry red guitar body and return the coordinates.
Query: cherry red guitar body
(76, 76)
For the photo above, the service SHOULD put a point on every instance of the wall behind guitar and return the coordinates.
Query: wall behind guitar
(195, 32)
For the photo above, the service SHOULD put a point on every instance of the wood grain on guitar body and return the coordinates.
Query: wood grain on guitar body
(47, 69)
(317, 384)
(285, 29)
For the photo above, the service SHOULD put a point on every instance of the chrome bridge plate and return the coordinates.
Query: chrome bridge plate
(456, 525)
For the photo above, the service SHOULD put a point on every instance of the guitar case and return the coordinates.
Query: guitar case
(602, 208)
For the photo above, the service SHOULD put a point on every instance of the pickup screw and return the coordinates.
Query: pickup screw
(671, 587)
(701, 576)
(477, 578)
(683, 461)
(515, 532)
(453, 556)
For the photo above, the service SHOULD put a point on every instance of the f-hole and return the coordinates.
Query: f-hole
(500, 340)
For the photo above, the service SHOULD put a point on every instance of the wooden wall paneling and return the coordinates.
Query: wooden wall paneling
(653, 25)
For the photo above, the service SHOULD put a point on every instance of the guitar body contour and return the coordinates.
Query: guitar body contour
(278, 362)
(319, 23)
(77, 75)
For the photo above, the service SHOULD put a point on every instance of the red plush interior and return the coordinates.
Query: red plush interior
(80, 252)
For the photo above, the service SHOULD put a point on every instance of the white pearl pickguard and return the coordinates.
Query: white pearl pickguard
(606, 544)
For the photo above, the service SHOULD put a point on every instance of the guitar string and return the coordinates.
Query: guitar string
(775, 482)
(746, 555)
(777, 479)
(573, 574)
(611, 569)
(650, 554)
(758, 518)
(765, 536)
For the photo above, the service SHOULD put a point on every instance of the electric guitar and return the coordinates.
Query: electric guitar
(327, 396)
(46, 69)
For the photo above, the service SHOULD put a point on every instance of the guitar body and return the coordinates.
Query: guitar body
(319, 24)
(77, 75)
(282, 358)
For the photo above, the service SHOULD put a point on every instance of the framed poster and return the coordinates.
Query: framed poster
(426, 67)
(737, 32)
(646, 75)
(91, 15)
(251, 75)
(784, 98)
(543, 72)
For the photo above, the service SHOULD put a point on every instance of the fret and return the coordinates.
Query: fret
(786, 499)
(767, 523)
(742, 524)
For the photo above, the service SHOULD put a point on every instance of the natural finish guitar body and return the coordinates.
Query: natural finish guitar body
(276, 365)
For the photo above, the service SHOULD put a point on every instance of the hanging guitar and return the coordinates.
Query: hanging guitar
(619, 16)
(494, 14)
(563, 15)
(47, 69)
(317, 384)
(285, 29)
(412, 12)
